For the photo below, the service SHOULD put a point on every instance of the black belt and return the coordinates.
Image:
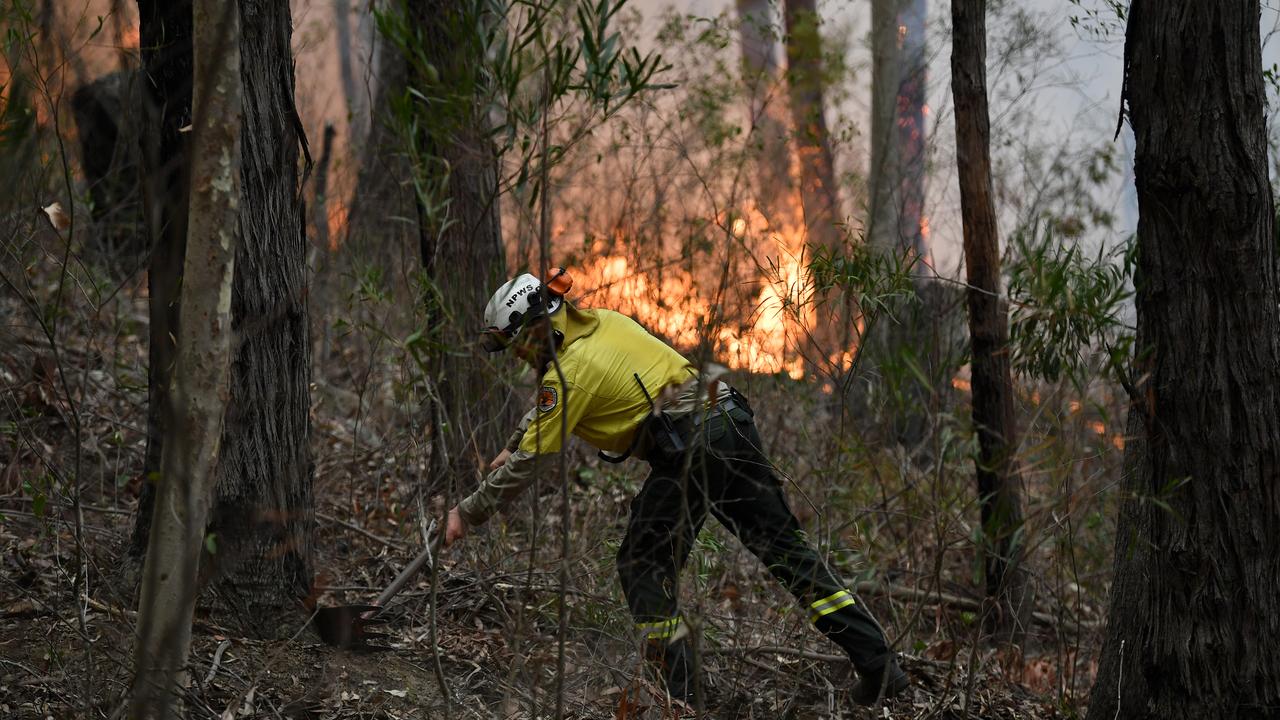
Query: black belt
(685, 423)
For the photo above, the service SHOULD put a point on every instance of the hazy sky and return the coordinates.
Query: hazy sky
(1073, 98)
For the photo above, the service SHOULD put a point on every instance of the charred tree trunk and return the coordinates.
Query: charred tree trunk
(819, 194)
(200, 381)
(461, 246)
(262, 514)
(165, 42)
(1193, 629)
(999, 479)
(106, 114)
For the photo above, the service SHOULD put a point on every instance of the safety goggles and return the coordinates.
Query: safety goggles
(494, 339)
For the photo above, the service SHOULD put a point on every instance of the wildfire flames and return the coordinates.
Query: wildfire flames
(757, 320)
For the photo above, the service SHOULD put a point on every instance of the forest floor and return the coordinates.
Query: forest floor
(67, 619)
(52, 657)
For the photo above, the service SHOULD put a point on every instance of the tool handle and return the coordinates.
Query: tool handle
(413, 568)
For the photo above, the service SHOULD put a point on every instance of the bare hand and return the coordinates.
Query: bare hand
(455, 528)
(500, 460)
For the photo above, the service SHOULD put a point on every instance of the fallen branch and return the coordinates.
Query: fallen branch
(217, 660)
(356, 528)
(901, 592)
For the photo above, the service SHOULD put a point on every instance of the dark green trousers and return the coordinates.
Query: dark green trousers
(728, 476)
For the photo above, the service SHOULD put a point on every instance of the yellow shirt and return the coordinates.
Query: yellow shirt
(593, 394)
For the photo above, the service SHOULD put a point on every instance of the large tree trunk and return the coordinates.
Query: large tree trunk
(819, 195)
(1194, 624)
(898, 65)
(263, 511)
(200, 382)
(461, 248)
(999, 479)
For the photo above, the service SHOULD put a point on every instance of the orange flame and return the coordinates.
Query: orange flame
(766, 333)
(337, 218)
(131, 38)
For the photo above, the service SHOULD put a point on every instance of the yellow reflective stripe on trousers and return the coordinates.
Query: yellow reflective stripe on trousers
(830, 604)
(660, 629)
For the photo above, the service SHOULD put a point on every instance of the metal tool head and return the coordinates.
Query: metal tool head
(347, 626)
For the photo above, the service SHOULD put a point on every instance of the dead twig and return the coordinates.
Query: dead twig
(356, 528)
(217, 660)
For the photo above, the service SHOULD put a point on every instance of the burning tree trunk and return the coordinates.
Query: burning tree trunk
(1193, 629)
(897, 127)
(819, 195)
(758, 33)
(200, 382)
(998, 476)
(262, 514)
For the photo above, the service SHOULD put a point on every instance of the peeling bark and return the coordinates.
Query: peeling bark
(262, 516)
(199, 393)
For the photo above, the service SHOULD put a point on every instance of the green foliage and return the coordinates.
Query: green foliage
(874, 281)
(1067, 307)
(1099, 20)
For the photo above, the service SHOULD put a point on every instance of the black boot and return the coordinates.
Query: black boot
(880, 684)
(674, 664)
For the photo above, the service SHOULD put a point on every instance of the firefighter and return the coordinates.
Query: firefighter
(627, 393)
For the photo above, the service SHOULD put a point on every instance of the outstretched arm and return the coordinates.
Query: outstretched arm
(540, 436)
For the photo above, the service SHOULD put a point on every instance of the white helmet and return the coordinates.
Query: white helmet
(518, 301)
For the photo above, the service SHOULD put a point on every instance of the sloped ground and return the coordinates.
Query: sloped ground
(44, 657)
(905, 537)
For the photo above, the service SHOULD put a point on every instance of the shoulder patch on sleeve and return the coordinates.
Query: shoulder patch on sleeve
(547, 399)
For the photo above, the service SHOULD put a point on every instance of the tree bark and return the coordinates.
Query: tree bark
(898, 65)
(346, 66)
(200, 383)
(382, 198)
(998, 475)
(262, 515)
(165, 42)
(819, 194)
(461, 248)
(1193, 629)
(759, 37)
